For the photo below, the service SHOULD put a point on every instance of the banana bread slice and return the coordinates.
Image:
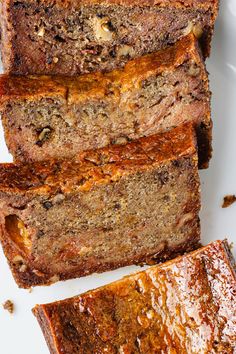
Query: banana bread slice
(69, 37)
(112, 207)
(186, 305)
(56, 117)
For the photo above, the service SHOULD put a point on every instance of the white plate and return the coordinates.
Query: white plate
(20, 333)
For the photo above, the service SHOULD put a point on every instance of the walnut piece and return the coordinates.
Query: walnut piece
(194, 70)
(195, 28)
(18, 262)
(44, 135)
(103, 29)
(125, 50)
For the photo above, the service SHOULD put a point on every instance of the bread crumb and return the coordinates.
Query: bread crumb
(9, 306)
(228, 200)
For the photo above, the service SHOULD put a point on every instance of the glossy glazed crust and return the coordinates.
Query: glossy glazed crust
(91, 169)
(189, 301)
(96, 85)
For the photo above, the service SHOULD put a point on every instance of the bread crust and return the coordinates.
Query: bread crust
(42, 177)
(90, 170)
(204, 282)
(97, 86)
(9, 45)
(31, 277)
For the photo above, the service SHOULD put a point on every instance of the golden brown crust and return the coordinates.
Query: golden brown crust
(98, 166)
(97, 85)
(113, 87)
(109, 86)
(89, 170)
(188, 301)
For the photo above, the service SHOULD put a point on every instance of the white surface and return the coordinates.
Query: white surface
(20, 333)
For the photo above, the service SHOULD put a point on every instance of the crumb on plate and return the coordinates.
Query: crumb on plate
(228, 200)
(9, 306)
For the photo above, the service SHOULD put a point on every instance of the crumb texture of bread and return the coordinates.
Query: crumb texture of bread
(74, 37)
(55, 117)
(186, 305)
(120, 205)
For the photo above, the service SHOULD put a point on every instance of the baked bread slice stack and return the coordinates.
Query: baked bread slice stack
(133, 203)
(70, 37)
(105, 172)
(187, 305)
(105, 167)
(55, 117)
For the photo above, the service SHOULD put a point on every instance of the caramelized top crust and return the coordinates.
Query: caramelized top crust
(186, 305)
(98, 166)
(198, 4)
(96, 85)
